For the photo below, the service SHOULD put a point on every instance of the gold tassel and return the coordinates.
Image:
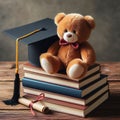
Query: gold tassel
(16, 92)
(17, 47)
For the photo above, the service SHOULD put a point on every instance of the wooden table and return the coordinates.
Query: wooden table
(108, 110)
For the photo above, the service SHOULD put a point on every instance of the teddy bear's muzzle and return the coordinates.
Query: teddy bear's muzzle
(70, 37)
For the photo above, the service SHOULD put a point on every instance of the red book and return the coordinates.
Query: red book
(69, 108)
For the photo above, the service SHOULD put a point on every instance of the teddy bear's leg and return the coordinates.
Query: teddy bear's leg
(76, 69)
(51, 64)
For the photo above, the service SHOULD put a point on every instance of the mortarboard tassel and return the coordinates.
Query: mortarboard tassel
(16, 92)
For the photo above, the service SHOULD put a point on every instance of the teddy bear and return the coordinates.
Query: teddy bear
(72, 51)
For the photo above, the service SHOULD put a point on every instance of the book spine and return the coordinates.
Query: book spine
(31, 83)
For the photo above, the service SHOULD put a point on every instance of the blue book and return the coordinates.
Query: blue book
(79, 93)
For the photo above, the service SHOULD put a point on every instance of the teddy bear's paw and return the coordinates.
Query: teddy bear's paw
(46, 65)
(76, 69)
(49, 63)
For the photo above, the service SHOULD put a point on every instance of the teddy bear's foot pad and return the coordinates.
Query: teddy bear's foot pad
(75, 71)
(46, 65)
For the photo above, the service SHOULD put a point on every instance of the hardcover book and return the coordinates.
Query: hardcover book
(40, 85)
(69, 108)
(60, 81)
(80, 101)
(29, 67)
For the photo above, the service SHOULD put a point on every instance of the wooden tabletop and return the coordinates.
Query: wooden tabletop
(108, 110)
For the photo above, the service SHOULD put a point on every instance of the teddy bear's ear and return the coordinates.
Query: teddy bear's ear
(90, 21)
(59, 17)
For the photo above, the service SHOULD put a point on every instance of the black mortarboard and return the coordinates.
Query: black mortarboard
(38, 36)
(38, 42)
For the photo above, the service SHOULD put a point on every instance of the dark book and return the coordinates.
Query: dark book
(80, 101)
(37, 84)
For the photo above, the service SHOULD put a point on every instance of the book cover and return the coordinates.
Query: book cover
(37, 84)
(69, 108)
(84, 101)
(29, 67)
(61, 81)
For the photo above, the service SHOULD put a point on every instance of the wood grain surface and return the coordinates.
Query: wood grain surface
(109, 110)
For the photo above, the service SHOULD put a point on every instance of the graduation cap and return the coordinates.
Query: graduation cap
(38, 36)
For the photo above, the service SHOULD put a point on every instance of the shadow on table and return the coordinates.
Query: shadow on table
(110, 108)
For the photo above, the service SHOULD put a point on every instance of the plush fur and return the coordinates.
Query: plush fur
(72, 52)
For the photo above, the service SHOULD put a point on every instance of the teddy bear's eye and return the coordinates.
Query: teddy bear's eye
(74, 31)
(65, 30)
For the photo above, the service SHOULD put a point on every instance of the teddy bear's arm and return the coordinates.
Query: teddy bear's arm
(53, 49)
(87, 53)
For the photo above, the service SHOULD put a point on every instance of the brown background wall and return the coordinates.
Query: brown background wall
(105, 38)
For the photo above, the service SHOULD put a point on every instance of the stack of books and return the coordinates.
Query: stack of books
(62, 94)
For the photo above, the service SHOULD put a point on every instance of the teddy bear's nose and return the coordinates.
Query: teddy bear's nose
(69, 35)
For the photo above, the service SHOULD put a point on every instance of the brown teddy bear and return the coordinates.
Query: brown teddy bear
(72, 52)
